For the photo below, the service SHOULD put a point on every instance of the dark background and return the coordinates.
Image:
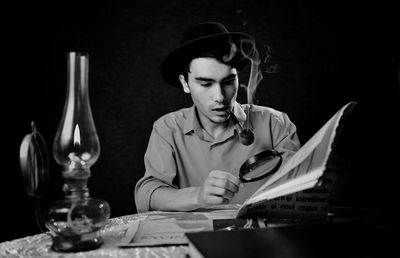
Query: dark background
(328, 54)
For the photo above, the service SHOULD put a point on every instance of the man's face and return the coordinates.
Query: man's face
(213, 87)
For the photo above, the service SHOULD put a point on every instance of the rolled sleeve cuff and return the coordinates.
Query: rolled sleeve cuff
(144, 191)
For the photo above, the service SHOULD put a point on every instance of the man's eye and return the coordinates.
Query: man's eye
(205, 84)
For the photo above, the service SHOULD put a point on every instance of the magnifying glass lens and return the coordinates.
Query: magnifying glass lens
(260, 166)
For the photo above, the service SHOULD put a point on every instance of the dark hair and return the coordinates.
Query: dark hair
(225, 54)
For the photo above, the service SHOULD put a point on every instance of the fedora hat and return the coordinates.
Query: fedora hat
(200, 38)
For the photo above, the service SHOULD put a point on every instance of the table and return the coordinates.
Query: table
(40, 245)
(378, 236)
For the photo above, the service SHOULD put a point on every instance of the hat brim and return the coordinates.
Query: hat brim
(172, 65)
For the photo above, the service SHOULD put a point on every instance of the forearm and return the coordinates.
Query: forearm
(171, 199)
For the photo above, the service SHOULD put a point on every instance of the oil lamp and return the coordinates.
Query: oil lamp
(76, 222)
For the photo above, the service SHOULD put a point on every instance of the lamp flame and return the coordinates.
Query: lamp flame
(77, 136)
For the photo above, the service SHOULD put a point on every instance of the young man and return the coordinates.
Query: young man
(194, 154)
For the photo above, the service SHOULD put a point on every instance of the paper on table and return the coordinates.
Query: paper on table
(162, 232)
(169, 228)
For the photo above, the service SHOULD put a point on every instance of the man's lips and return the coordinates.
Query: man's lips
(221, 109)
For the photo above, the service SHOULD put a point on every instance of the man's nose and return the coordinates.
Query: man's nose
(218, 94)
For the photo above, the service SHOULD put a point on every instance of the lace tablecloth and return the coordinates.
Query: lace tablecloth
(40, 245)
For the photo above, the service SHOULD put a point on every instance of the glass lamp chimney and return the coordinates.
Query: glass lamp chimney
(76, 221)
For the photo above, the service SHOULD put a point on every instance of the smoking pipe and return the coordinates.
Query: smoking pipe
(246, 136)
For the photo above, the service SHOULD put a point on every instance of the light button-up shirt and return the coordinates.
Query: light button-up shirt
(181, 153)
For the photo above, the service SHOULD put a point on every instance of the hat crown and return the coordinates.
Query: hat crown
(203, 30)
(201, 38)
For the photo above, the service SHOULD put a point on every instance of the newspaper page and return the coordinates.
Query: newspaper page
(304, 168)
(309, 204)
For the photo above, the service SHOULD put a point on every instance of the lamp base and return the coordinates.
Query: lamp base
(77, 243)
(76, 224)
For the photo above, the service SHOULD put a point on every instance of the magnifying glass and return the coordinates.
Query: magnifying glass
(260, 166)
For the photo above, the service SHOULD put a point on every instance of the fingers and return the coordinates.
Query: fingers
(218, 188)
(223, 184)
(219, 191)
(224, 179)
(213, 200)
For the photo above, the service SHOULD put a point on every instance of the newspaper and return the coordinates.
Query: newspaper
(304, 170)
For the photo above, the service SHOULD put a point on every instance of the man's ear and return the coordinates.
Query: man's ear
(185, 85)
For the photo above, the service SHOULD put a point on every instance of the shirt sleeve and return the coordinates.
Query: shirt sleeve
(160, 165)
(284, 135)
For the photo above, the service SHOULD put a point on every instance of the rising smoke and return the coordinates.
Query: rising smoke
(249, 51)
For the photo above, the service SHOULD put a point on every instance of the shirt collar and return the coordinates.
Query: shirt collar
(191, 123)
(191, 119)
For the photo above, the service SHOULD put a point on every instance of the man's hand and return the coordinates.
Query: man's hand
(218, 188)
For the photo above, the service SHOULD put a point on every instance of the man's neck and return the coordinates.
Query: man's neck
(217, 130)
(213, 129)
